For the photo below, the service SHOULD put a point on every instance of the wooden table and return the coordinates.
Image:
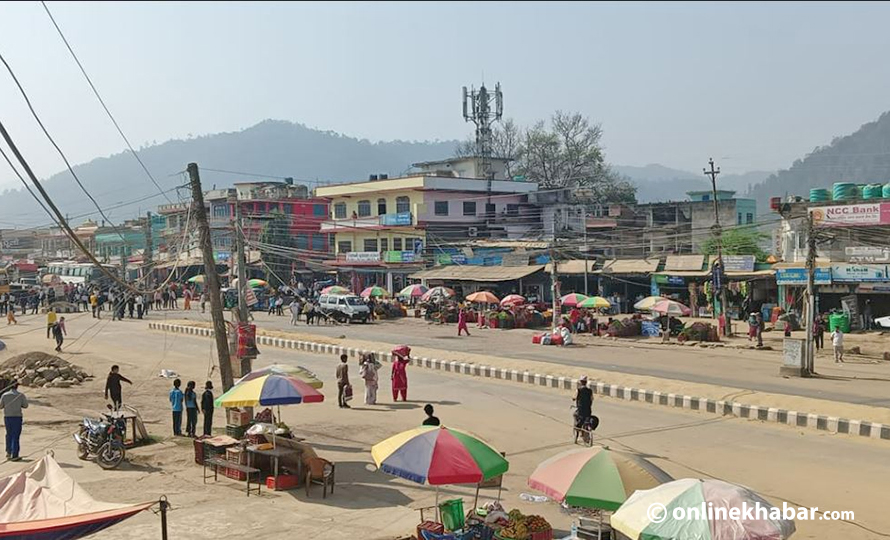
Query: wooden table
(276, 454)
(216, 463)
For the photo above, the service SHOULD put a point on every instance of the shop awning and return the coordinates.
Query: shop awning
(477, 273)
(574, 267)
(730, 273)
(684, 263)
(630, 266)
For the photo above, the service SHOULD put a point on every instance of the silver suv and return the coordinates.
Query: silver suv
(345, 308)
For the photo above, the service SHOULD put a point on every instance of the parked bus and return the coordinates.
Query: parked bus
(74, 272)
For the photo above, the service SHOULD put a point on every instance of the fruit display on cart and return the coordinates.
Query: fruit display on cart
(523, 527)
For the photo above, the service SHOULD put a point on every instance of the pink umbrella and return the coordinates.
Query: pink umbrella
(513, 300)
(572, 299)
(670, 307)
(413, 291)
(437, 292)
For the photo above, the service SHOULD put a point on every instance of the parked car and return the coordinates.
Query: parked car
(345, 308)
(883, 322)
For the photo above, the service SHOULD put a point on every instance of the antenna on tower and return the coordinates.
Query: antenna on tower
(483, 108)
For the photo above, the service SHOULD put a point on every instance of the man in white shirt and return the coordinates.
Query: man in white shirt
(837, 341)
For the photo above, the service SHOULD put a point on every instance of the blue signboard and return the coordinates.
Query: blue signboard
(396, 220)
(798, 276)
(858, 273)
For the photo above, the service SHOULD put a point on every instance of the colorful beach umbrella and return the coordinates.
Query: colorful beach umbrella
(437, 292)
(267, 390)
(375, 292)
(636, 520)
(298, 372)
(595, 477)
(413, 291)
(646, 303)
(483, 297)
(594, 302)
(438, 455)
(252, 283)
(336, 289)
(196, 279)
(670, 307)
(513, 300)
(572, 299)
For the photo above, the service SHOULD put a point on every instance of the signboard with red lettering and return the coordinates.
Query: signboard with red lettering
(850, 215)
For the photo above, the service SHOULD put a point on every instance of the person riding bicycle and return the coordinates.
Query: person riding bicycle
(583, 406)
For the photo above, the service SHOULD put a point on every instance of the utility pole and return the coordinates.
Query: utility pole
(241, 259)
(810, 311)
(719, 233)
(553, 278)
(586, 251)
(147, 255)
(211, 279)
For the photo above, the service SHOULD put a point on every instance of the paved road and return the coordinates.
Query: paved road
(806, 468)
(865, 384)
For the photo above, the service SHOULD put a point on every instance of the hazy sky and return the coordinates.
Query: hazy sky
(753, 85)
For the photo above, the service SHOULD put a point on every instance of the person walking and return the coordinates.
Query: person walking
(342, 381)
(583, 407)
(113, 386)
(191, 409)
(837, 341)
(139, 306)
(204, 299)
(131, 304)
(368, 372)
(462, 322)
(59, 332)
(759, 329)
(819, 332)
(176, 398)
(12, 402)
(159, 300)
(430, 420)
(399, 375)
(207, 407)
(187, 300)
(10, 313)
(51, 318)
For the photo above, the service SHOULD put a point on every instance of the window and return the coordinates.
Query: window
(221, 211)
(288, 209)
(344, 247)
(318, 242)
(397, 244)
(469, 208)
(340, 210)
(381, 207)
(441, 208)
(273, 207)
(320, 210)
(384, 244)
(364, 208)
(740, 218)
(370, 244)
(489, 209)
(302, 240)
(403, 204)
(749, 218)
(512, 209)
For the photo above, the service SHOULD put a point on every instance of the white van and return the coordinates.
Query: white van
(345, 308)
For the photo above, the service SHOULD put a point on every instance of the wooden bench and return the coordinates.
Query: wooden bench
(216, 463)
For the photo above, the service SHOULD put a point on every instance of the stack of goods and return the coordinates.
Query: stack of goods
(625, 328)
(238, 456)
(560, 336)
(699, 332)
(523, 527)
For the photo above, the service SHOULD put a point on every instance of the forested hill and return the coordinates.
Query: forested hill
(862, 157)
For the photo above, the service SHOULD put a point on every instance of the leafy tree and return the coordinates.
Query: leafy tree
(738, 242)
(274, 236)
(566, 153)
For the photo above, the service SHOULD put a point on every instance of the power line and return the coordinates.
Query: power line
(59, 150)
(102, 102)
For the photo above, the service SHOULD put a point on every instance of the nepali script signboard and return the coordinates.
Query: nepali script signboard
(850, 215)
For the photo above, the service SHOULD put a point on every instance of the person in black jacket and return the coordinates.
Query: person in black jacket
(113, 386)
(207, 407)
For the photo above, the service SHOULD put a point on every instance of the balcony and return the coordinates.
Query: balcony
(400, 219)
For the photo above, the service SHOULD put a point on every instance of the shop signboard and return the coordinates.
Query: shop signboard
(363, 256)
(399, 256)
(849, 215)
(738, 263)
(867, 254)
(400, 219)
(798, 276)
(858, 273)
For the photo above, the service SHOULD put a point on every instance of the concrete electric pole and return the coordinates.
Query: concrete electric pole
(718, 232)
(211, 279)
(147, 255)
(810, 311)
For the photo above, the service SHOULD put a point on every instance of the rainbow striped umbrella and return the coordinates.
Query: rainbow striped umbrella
(298, 372)
(267, 390)
(594, 302)
(572, 299)
(375, 291)
(335, 289)
(413, 291)
(438, 455)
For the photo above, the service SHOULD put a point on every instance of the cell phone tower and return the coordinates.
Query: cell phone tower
(483, 108)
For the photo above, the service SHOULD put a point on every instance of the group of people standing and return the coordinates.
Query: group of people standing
(188, 401)
(369, 367)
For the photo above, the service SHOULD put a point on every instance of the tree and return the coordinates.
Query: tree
(567, 153)
(275, 239)
(738, 242)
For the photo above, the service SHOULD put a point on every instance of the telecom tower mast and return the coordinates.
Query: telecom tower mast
(478, 106)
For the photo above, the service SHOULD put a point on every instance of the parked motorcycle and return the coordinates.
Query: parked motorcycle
(102, 439)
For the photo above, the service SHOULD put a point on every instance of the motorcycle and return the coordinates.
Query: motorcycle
(102, 439)
(583, 428)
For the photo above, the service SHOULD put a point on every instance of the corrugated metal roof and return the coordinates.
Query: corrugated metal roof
(684, 262)
(630, 266)
(477, 273)
(571, 267)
